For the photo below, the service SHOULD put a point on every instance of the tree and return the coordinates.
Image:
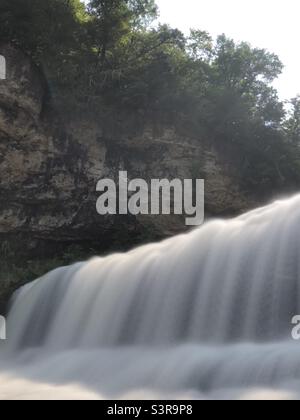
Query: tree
(42, 28)
(114, 20)
(292, 123)
(242, 68)
(200, 45)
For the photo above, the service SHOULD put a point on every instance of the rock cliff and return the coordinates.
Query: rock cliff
(50, 165)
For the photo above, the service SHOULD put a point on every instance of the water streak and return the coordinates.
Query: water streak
(205, 315)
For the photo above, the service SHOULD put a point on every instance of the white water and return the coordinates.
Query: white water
(203, 315)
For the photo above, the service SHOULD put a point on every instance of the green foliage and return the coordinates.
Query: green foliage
(292, 123)
(42, 28)
(109, 59)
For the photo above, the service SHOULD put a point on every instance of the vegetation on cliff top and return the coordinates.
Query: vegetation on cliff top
(110, 58)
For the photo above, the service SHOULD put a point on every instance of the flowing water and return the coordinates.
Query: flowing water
(202, 315)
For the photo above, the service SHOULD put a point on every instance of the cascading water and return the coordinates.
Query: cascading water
(202, 315)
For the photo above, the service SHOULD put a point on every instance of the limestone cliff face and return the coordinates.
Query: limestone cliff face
(49, 168)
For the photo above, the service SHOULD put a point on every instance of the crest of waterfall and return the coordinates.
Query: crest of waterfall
(206, 314)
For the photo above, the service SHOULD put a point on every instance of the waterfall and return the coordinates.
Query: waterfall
(202, 315)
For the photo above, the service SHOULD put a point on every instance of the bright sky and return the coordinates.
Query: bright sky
(270, 24)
